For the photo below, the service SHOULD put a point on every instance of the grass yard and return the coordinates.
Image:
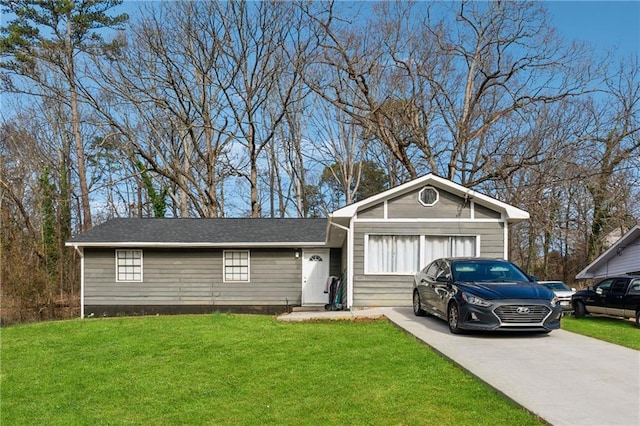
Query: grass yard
(613, 330)
(234, 369)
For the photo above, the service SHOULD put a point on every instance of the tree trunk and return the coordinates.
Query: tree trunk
(77, 135)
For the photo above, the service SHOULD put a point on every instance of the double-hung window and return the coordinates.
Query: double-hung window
(128, 265)
(236, 265)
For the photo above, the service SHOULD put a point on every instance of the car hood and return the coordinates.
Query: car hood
(585, 292)
(509, 290)
(563, 293)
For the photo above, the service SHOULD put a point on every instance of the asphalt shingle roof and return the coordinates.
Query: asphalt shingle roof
(206, 231)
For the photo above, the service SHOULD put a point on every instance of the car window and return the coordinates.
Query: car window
(619, 286)
(432, 270)
(603, 286)
(487, 271)
(556, 285)
(445, 271)
(634, 287)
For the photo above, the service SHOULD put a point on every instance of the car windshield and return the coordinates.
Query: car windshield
(556, 286)
(487, 271)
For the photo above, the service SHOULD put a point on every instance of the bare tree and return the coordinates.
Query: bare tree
(258, 73)
(612, 141)
(37, 272)
(340, 151)
(43, 44)
(448, 82)
(212, 83)
(159, 95)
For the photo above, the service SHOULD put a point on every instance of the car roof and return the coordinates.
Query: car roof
(616, 277)
(474, 259)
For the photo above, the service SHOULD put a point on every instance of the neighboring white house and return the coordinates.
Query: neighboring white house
(623, 257)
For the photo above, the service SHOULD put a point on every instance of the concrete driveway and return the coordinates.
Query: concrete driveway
(565, 378)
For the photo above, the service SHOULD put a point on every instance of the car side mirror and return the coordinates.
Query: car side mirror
(533, 277)
(598, 290)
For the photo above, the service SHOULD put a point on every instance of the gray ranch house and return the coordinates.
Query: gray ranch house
(149, 266)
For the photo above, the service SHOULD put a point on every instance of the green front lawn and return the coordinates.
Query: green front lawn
(613, 330)
(232, 369)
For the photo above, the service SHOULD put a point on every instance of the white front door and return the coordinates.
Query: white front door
(315, 271)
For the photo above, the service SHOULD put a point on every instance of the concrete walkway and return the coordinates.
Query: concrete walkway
(565, 378)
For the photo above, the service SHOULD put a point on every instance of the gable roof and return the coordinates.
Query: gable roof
(218, 232)
(509, 212)
(623, 257)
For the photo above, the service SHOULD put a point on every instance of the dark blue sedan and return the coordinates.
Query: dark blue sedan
(484, 294)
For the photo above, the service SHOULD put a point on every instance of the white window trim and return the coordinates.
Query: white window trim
(420, 255)
(141, 267)
(224, 274)
(428, 204)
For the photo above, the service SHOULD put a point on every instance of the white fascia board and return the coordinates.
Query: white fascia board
(196, 245)
(429, 220)
(510, 213)
(608, 254)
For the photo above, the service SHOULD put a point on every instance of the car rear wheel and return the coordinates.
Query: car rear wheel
(578, 309)
(417, 310)
(453, 317)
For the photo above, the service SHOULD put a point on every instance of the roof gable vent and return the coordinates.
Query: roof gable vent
(428, 196)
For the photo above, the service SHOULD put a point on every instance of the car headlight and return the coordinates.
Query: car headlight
(554, 302)
(475, 300)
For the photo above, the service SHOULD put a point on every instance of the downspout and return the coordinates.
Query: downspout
(349, 261)
(505, 242)
(81, 254)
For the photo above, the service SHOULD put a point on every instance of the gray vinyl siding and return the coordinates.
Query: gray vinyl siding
(194, 277)
(375, 212)
(626, 262)
(395, 290)
(408, 206)
(481, 212)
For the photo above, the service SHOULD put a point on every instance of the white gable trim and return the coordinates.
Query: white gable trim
(428, 220)
(509, 212)
(594, 268)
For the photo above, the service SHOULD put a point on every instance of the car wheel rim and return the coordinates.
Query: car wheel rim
(453, 317)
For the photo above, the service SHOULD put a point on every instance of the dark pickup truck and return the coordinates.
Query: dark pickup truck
(614, 296)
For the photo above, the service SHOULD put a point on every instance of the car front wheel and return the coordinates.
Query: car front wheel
(638, 318)
(578, 309)
(453, 317)
(417, 310)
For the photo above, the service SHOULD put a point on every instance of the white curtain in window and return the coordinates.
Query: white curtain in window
(463, 246)
(447, 246)
(393, 254)
(434, 248)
